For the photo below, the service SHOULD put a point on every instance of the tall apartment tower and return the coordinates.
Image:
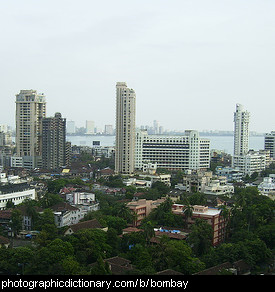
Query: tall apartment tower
(54, 142)
(125, 129)
(30, 109)
(269, 143)
(241, 130)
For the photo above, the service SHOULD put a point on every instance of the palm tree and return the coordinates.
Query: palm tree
(148, 231)
(124, 212)
(225, 213)
(188, 212)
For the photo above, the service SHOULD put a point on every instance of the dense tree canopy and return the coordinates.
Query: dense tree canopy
(251, 233)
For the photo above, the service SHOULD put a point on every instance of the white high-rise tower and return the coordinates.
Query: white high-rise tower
(125, 128)
(241, 130)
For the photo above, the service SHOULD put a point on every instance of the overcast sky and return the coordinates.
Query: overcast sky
(189, 61)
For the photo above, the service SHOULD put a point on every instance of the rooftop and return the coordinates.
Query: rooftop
(197, 209)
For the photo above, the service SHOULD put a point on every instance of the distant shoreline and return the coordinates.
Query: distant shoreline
(174, 133)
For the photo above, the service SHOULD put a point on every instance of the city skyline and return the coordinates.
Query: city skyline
(190, 62)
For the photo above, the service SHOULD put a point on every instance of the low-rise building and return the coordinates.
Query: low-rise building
(205, 182)
(77, 198)
(142, 208)
(165, 178)
(212, 216)
(84, 201)
(219, 186)
(267, 187)
(196, 181)
(139, 183)
(65, 214)
(16, 194)
(90, 224)
(230, 173)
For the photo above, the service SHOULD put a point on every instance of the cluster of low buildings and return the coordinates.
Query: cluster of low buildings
(205, 182)
(15, 190)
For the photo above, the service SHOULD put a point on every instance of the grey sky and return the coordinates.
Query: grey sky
(189, 62)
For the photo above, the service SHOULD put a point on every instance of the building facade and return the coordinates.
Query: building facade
(230, 173)
(172, 152)
(241, 130)
(245, 160)
(90, 127)
(70, 127)
(54, 142)
(142, 208)
(30, 110)
(269, 144)
(125, 128)
(16, 194)
(212, 216)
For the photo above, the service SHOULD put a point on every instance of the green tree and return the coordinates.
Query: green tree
(148, 231)
(89, 244)
(49, 259)
(161, 187)
(141, 258)
(200, 238)
(116, 223)
(188, 212)
(181, 259)
(49, 200)
(197, 199)
(71, 267)
(31, 210)
(160, 255)
(10, 204)
(100, 267)
(16, 221)
(122, 211)
(46, 225)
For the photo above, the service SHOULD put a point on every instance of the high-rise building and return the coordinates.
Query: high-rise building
(244, 160)
(54, 142)
(125, 128)
(30, 109)
(70, 127)
(241, 130)
(109, 130)
(269, 143)
(156, 127)
(90, 127)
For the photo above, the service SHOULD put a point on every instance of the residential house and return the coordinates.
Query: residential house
(90, 224)
(118, 265)
(65, 214)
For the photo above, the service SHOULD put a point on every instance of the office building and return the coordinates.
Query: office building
(54, 142)
(30, 109)
(125, 128)
(188, 151)
(269, 144)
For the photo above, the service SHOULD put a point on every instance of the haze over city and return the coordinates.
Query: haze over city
(189, 62)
